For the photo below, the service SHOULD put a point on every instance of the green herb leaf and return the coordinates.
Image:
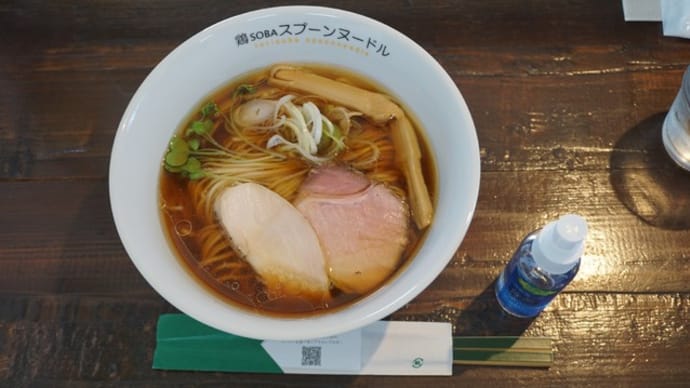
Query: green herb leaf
(193, 144)
(209, 109)
(245, 89)
(200, 127)
(193, 165)
(196, 175)
(177, 144)
(172, 169)
(192, 169)
(176, 158)
(178, 152)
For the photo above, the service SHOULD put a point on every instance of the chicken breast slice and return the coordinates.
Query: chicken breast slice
(362, 227)
(276, 239)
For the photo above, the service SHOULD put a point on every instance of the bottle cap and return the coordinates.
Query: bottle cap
(560, 244)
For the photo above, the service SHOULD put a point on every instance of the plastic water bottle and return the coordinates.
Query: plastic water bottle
(676, 127)
(544, 263)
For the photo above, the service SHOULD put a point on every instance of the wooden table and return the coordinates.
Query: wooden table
(567, 99)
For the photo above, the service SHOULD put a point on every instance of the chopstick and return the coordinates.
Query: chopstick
(503, 351)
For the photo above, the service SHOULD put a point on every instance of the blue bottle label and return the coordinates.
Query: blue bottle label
(520, 298)
(523, 289)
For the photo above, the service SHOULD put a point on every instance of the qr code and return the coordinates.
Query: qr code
(311, 355)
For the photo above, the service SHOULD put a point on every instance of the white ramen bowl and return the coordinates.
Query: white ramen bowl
(254, 40)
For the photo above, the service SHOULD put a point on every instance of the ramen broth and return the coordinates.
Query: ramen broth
(195, 232)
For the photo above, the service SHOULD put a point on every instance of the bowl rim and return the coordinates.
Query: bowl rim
(324, 324)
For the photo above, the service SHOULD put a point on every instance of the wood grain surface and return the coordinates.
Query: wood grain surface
(567, 99)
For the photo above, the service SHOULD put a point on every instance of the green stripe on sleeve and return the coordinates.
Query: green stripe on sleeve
(185, 344)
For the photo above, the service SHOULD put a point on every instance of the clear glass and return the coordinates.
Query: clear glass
(523, 289)
(676, 128)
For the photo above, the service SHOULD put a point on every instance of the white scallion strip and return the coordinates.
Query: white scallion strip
(276, 140)
(313, 119)
(281, 101)
(298, 125)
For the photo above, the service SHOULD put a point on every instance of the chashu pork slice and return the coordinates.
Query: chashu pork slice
(276, 239)
(363, 227)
